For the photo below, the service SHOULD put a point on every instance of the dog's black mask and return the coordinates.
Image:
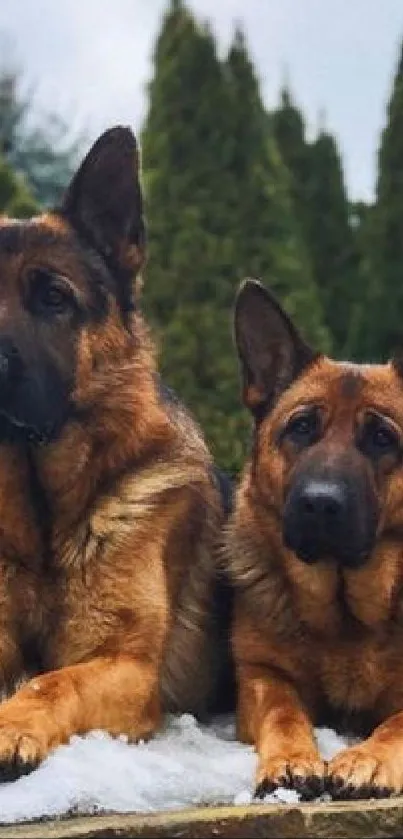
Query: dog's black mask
(34, 395)
(331, 512)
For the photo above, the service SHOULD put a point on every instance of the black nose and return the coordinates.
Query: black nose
(322, 504)
(327, 519)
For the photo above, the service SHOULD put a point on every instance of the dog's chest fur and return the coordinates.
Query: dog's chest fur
(76, 606)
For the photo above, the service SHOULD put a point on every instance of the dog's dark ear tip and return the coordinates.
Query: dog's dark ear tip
(248, 290)
(120, 129)
(253, 293)
(120, 136)
(119, 132)
(249, 284)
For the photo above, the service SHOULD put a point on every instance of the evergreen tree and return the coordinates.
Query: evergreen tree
(331, 242)
(41, 148)
(269, 243)
(323, 213)
(16, 200)
(218, 206)
(289, 130)
(183, 153)
(384, 322)
(363, 336)
(190, 279)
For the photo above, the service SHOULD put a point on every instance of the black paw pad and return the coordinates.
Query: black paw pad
(309, 786)
(264, 788)
(342, 791)
(14, 769)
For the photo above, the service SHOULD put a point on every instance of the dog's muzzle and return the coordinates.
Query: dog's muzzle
(33, 402)
(330, 520)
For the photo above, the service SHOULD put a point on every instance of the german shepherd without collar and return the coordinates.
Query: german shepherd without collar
(111, 504)
(316, 552)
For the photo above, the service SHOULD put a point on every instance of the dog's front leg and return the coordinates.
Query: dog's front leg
(117, 694)
(271, 715)
(373, 768)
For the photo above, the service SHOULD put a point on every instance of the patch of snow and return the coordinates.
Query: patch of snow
(185, 764)
(281, 795)
(329, 743)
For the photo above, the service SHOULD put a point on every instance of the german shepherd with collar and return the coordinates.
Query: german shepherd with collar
(315, 547)
(112, 506)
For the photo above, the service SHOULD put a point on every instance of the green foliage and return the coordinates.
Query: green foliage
(219, 208)
(268, 241)
(289, 130)
(15, 198)
(331, 242)
(362, 328)
(323, 212)
(384, 237)
(39, 147)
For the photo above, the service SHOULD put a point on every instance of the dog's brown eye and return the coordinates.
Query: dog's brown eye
(303, 428)
(53, 298)
(383, 438)
(47, 296)
(301, 425)
(378, 438)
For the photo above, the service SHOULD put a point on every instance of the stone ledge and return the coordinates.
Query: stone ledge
(347, 820)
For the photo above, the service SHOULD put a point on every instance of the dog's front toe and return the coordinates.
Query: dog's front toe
(302, 772)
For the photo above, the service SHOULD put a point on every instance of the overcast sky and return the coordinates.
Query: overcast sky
(90, 60)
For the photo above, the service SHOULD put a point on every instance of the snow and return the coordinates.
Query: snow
(185, 764)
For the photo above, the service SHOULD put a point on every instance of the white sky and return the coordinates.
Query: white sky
(90, 60)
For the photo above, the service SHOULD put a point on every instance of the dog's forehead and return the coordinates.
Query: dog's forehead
(46, 241)
(39, 233)
(360, 384)
(342, 383)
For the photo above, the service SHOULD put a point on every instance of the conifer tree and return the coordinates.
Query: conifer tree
(218, 206)
(289, 130)
(323, 214)
(384, 322)
(189, 281)
(269, 244)
(331, 242)
(16, 200)
(363, 327)
(40, 147)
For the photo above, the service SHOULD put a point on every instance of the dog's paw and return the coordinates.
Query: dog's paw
(20, 752)
(299, 771)
(365, 771)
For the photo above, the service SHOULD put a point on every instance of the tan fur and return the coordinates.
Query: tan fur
(119, 608)
(320, 644)
(20, 559)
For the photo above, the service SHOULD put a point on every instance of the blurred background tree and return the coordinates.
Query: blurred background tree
(15, 197)
(322, 207)
(219, 207)
(39, 147)
(233, 189)
(384, 234)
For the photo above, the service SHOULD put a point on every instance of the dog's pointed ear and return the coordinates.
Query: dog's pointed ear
(104, 200)
(271, 351)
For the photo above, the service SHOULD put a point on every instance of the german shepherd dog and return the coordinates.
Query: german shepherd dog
(111, 507)
(315, 546)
